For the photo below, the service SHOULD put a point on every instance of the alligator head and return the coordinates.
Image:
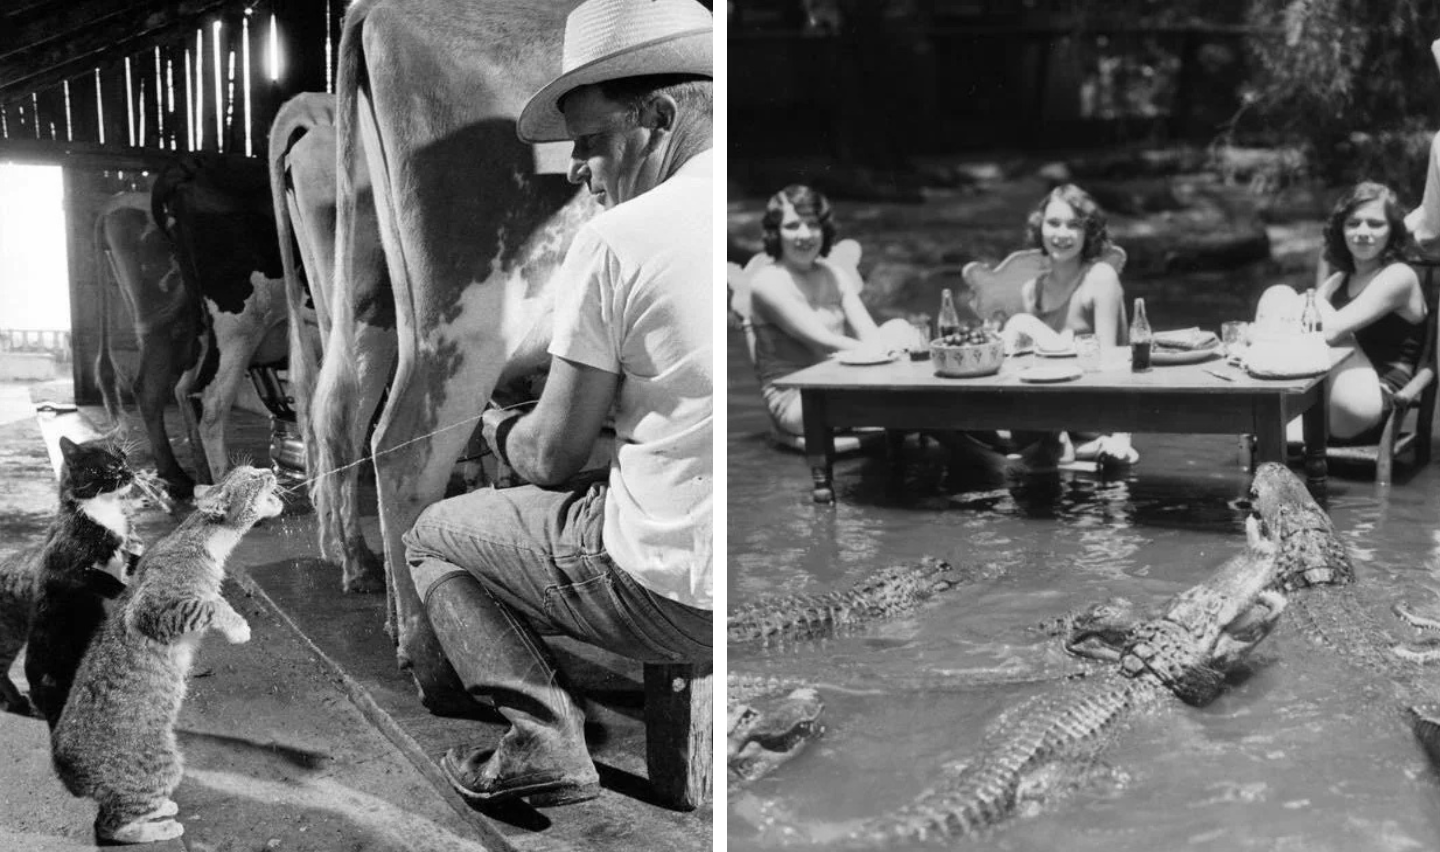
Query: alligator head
(1098, 632)
(1309, 553)
(768, 731)
(1206, 630)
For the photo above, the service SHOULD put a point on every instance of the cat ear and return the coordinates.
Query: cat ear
(210, 502)
(68, 448)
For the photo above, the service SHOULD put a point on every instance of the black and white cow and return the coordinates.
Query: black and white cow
(217, 212)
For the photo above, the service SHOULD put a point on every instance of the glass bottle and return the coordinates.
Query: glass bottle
(1141, 339)
(1310, 316)
(948, 322)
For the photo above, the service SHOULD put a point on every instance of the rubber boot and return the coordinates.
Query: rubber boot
(497, 653)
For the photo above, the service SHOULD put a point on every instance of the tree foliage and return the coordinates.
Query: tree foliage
(1352, 80)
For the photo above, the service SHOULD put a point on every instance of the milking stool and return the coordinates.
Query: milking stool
(678, 722)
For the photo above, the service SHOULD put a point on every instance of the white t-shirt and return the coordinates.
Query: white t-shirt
(634, 298)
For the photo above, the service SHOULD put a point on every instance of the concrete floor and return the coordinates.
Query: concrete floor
(308, 737)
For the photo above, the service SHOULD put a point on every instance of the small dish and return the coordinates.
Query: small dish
(1172, 357)
(1050, 373)
(1067, 352)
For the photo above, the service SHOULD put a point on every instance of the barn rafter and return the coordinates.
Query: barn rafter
(130, 82)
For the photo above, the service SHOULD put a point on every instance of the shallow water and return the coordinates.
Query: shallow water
(1303, 754)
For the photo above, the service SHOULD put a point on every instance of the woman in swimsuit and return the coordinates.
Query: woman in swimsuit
(805, 307)
(1373, 302)
(1078, 293)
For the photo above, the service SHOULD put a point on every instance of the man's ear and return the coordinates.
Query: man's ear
(663, 110)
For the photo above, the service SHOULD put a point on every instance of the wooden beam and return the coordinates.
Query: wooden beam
(27, 68)
(82, 154)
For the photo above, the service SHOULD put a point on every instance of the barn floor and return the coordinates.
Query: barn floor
(297, 597)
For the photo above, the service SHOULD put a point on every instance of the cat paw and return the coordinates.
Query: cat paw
(143, 831)
(239, 634)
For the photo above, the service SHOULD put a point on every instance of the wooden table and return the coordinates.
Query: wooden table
(1186, 399)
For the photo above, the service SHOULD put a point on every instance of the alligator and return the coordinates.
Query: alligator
(1200, 636)
(770, 721)
(888, 592)
(1314, 569)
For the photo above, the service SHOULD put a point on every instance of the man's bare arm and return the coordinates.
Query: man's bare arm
(551, 443)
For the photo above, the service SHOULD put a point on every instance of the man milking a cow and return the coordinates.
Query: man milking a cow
(623, 563)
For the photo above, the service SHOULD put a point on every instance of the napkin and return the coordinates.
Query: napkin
(1186, 339)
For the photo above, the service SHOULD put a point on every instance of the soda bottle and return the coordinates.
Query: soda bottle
(1310, 317)
(1140, 339)
(948, 322)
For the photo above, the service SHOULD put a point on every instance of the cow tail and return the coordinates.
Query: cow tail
(302, 362)
(104, 362)
(327, 443)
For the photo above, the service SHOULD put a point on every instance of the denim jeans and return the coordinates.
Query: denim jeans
(538, 555)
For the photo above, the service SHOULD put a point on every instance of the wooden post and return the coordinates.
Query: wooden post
(678, 736)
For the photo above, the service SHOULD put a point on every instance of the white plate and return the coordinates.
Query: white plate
(1170, 357)
(860, 358)
(1050, 373)
(1056, 353)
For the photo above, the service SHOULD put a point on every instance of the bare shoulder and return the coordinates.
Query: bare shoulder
(1103, 284)
(771, 282)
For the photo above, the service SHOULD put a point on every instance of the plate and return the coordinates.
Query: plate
(1049, 373)
(1171, 357)
(860, 358)
(1056, 353)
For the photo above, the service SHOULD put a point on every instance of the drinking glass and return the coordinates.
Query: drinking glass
(1087, 352)
(1233, 337)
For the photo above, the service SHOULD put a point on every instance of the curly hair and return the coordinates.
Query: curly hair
(1336, 250)
(1097, 238)
(807, 202)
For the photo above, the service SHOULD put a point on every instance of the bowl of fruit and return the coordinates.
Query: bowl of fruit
(971, 352)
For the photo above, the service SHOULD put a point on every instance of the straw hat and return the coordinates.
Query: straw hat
(610, 39)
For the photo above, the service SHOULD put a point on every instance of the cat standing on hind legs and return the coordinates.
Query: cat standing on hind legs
(53, 596)
(115, 742)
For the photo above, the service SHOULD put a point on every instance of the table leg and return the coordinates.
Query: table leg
(819, 445)
(1269, 431)
(1316, 422)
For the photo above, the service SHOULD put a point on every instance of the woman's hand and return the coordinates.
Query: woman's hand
(1026, 326)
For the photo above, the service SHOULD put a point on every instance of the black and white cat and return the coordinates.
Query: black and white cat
(53, 596)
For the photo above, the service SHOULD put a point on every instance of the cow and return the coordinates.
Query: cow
(165, 316)
(216, 210)
(302, 186)
(426, 102)
(338, 401)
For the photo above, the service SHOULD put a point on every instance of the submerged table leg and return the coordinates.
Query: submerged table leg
(819, 444)
(1269, 431)
(1316, 422)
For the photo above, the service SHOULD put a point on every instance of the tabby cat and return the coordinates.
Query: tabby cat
(53, 595)
(115, 742)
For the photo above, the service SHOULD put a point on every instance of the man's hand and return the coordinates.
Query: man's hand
(490, 428)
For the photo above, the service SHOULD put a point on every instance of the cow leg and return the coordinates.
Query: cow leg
(154, 383)
(346, 397)
(237, 352)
